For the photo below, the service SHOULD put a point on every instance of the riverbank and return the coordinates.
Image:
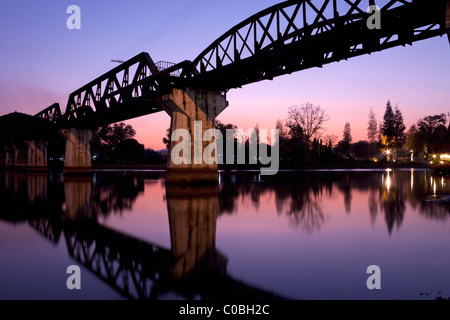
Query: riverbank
(129, 167)
(443, 169)
(343, 165)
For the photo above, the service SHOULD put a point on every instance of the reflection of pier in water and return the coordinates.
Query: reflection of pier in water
(192, 268)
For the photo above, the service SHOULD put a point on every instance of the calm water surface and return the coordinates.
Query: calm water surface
(298, 235)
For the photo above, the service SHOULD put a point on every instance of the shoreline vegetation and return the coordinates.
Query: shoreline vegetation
(302, 144)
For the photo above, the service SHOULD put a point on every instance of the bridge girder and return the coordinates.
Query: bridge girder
(127, 91)
(288, 37)
(297, 35)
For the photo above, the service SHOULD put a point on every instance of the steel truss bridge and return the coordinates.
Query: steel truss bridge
(285, 38)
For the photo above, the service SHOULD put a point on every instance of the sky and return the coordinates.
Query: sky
(42, 62)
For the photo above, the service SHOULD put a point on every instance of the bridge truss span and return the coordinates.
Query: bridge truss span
(128, 91)
(296, 35)
(291, 36)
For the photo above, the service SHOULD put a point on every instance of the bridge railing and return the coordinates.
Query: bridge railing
(167, 66)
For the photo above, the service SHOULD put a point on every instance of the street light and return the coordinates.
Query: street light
(388, 152)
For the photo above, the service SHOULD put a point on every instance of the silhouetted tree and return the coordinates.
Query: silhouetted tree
(129, 150)
(388, 130)
(347, 140)
(227, 139)
(283, 139)
(330, 139)
(106, 139)
(298, 145)
(431, 129)
(372, 132)
(399, 130)
(360, 150)
(413, 140)
(166, 139)
(222, 127)
(309, 117)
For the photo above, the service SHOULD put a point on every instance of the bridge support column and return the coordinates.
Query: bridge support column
(77, 159)
(20, 156)
(194, 111)
(37, 155)
(9, 157)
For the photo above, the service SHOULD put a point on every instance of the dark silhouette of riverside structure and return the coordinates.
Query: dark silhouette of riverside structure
(285, 38)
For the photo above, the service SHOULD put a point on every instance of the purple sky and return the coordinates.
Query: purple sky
(42, 62)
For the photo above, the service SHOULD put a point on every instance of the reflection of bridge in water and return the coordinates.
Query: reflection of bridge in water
(192, 268)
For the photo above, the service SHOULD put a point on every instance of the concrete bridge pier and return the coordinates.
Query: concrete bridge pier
(9, 157)
(20, 156)
(194, 111)
(37, 155)
(77, 159)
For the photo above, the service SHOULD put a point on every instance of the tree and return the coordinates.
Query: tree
(106, 139)
(129, 149)
(222, 127)
(431, 129)
(166, 139)
(372, 131)
(282, 133)
(360, 150)
(388, 128)
(309, 118)
(399, 130)
(380, 133)
(330, 139)
(283, 139)
(119, 132)
(112, 135)
(413, 140)
(347, 140)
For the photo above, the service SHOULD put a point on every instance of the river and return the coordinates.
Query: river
(296, 235)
